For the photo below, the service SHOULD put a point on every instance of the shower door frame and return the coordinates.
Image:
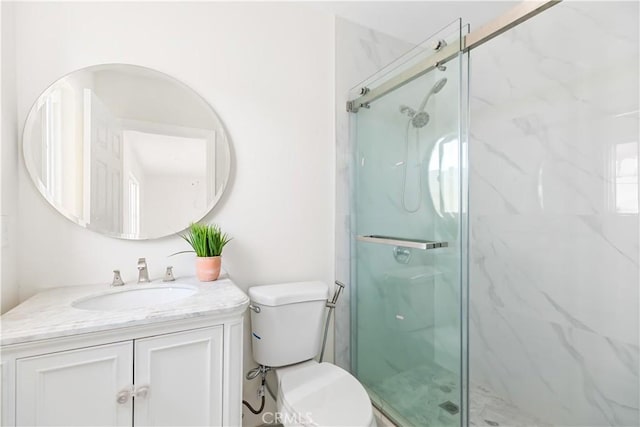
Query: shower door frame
(420, 244)
(519, 14)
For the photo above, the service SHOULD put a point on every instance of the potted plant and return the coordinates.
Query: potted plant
(207, 241)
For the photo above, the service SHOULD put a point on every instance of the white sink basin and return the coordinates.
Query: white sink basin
(140, 297)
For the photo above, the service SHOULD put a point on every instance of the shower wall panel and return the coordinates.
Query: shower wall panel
(554, 215)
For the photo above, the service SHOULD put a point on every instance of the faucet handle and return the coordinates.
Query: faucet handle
(143, 271)
(117, 279)
(168, 275)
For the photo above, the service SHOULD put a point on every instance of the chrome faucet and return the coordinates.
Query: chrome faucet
(143, 272)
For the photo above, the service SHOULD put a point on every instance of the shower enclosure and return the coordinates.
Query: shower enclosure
(410, 239)
(494, 231)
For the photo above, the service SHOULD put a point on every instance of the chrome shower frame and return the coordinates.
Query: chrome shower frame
(514, 17)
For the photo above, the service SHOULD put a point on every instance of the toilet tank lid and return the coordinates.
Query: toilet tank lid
(288, 293)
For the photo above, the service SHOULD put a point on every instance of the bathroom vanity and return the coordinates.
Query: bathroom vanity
(148, 354)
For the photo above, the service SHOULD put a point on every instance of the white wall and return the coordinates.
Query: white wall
(267, 69)
(415, 21)
(9, 169)
(188, 190)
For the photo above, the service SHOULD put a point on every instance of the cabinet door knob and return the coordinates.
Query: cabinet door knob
(123, 396)
(142, 392)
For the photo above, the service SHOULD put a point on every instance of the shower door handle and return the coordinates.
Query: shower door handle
(405, 243)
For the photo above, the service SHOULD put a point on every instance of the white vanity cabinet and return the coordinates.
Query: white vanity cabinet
(173, 380)
(182, 367)
(186, 393)
(75, 388)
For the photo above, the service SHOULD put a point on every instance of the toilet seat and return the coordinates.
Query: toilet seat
(322, 394)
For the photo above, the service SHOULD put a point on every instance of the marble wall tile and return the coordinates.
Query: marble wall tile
(565, 375)
(553, 262)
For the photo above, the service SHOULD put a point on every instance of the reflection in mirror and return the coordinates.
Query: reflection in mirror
(126, 151)
(626, 177)
(444, 170)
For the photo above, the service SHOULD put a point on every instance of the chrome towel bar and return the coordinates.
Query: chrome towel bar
(405, 243)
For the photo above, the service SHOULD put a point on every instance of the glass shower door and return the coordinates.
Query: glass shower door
(410, 247)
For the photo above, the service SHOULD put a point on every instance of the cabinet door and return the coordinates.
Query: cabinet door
(180, 376)
(75, 388)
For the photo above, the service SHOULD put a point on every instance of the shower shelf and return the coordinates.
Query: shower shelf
(405, 243)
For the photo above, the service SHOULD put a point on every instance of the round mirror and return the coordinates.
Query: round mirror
(126, 151)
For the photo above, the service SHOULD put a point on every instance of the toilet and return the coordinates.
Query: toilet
(286, 332)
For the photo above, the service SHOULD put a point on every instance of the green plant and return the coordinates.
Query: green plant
(207, 240)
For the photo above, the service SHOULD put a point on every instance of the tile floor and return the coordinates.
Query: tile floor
(425, 404)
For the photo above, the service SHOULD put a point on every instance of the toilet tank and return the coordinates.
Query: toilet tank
(286, 322)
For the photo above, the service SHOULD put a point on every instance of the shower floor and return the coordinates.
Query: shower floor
(432, 386)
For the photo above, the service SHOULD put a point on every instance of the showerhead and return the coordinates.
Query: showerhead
(420, 120)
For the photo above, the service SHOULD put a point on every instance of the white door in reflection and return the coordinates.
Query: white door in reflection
(103, 142)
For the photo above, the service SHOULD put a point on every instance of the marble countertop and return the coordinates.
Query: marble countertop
(50, 314)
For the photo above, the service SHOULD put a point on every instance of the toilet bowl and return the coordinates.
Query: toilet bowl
(286, 331)
(322, 394)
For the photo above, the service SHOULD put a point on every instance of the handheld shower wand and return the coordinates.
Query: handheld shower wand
(420, 118)
(437, 87)
(417, 119)
(331, 304)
